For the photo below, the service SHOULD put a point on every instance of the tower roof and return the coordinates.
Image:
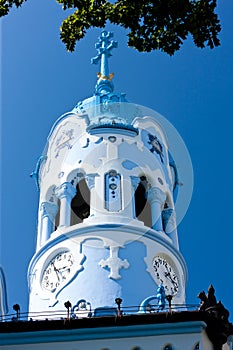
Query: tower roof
(107, 108)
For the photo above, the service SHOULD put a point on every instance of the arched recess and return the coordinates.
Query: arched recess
(80, 204)
(142, 205)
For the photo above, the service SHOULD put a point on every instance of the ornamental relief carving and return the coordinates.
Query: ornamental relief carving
(63, 139)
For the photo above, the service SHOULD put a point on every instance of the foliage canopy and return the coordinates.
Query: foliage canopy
(152, 25)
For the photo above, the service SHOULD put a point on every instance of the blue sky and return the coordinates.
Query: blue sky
(193, 90)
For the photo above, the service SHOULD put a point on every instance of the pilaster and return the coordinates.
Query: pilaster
(169, 224)
(93, 183)
(47, 215)
(135, 181)
(157, 198)
(65, 193)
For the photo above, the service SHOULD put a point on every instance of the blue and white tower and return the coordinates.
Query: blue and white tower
(106, 218)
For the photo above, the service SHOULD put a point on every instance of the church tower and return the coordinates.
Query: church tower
(106, 216)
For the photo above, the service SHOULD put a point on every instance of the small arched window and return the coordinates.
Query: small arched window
(80, 204)
(57, 217)
(142, 205)
(196, 346)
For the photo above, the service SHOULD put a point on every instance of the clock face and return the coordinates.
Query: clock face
(165, 275)
(57, 271)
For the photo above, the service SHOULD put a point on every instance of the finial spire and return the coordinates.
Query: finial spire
(104, 46)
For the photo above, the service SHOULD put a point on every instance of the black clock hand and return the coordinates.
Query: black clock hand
(168, 275)
(175, 284)
(56, 270)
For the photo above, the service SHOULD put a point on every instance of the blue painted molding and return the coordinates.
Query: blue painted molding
(161, 297)
(176, 183)
(35, 173)
(117, 128)
(145, 330)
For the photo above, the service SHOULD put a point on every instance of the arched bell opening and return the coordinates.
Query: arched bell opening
(57, 217)
(142, 205)
(80, 204)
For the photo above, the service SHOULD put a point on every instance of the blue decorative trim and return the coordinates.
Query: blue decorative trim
(105, 311)
(129, 165)
(82, 305)
(87, 143)
(156, 146)
(68, 335)
(144, 304)
(176, 183)
(110, 128)
(161, 297)
(112, 186)
(35, 173)
(99, 140)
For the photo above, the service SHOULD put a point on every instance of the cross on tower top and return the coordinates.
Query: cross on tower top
(104, 47)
